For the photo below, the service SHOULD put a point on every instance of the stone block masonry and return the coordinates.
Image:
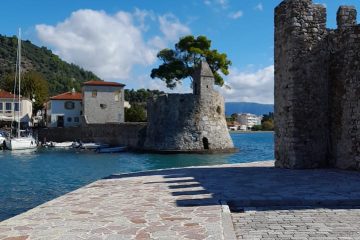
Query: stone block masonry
(317, 72)
(126, 134)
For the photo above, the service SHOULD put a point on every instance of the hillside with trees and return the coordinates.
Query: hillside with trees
(60, 75)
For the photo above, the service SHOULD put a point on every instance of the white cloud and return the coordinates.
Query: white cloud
(247, 86)
(141, 16)
(224, 4)
(110, 45)
(236, 15)
(172, 28)
(259, 7)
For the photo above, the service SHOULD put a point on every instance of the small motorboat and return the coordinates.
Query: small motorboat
(61, 144)
(91, 146)
(76, 145)
(111, 149)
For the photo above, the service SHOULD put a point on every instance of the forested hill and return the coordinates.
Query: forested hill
(61, 76)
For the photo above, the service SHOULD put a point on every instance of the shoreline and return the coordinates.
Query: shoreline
(244, 132)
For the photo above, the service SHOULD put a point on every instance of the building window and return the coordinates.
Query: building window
(69, 119)
(94, 93)
(1, 107)
(49, 106)
(8, 107)
(16, 107)
(117, 96)
(76, 119)
(69, 105)
(103, 106)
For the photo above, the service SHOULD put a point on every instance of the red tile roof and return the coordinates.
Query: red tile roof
(102, 83)
(68, 96)
(6, 95)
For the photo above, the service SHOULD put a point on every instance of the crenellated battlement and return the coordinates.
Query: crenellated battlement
(346, 17)
(317, 72)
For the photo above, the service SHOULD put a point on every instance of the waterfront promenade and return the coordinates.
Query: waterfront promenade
(189, 203)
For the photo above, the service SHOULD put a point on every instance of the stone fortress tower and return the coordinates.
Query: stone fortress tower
(189, 122)
(317, 87)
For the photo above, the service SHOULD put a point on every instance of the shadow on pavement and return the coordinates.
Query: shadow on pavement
(244, 187)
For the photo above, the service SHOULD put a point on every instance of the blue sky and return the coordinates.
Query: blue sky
(118, 39)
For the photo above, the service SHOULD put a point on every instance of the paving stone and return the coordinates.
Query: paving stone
(299, 227)
(143, 205)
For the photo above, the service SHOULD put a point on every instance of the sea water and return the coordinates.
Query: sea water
(28, 179)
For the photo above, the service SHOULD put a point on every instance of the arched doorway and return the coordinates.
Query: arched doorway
(205, 143)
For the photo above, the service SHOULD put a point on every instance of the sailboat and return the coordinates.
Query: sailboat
(19, 142)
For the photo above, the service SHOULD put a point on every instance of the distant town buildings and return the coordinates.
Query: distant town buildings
(11, 110)
(100, 102)
(249, 120)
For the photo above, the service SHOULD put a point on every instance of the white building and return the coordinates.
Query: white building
(10, 109)
(99, 103)
(64, 110)
(249, 120)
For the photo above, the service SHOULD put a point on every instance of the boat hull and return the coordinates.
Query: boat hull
(110, 149)
(62, 144)
(21, 143)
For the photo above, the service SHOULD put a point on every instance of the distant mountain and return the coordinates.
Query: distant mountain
(60, 75)
(246, 107)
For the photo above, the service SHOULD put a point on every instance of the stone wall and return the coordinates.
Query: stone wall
(127, 134)
(316, 84)
(189, 122)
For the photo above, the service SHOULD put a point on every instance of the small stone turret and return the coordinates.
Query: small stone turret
(346, 17)
(204, 81)
(189, 122)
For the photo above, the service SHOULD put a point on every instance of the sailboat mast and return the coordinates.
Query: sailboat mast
(19, 44)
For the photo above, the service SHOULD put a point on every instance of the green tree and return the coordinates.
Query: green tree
(33, 85)
(268, 117)
(256, 128)
(267, 122)
(136, 113)
(140, 95)
(179, 63)
(268, 125)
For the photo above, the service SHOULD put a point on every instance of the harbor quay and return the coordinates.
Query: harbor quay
(195, 203)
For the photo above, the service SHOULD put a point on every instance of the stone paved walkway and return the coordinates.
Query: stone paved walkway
(298, 223)
(178, 203)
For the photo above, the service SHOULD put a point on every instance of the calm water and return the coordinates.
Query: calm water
(30, 179)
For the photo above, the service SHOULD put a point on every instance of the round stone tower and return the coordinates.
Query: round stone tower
(189, 122)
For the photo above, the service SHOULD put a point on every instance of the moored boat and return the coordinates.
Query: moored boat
(111, 149)
(93, 145)
(20, 143)
(61, 144)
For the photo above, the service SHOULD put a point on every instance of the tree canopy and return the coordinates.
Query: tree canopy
(33, 85)
(180, 63)
(140, 95)
(136, 113)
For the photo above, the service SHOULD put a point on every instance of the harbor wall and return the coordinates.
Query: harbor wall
(127, 134)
